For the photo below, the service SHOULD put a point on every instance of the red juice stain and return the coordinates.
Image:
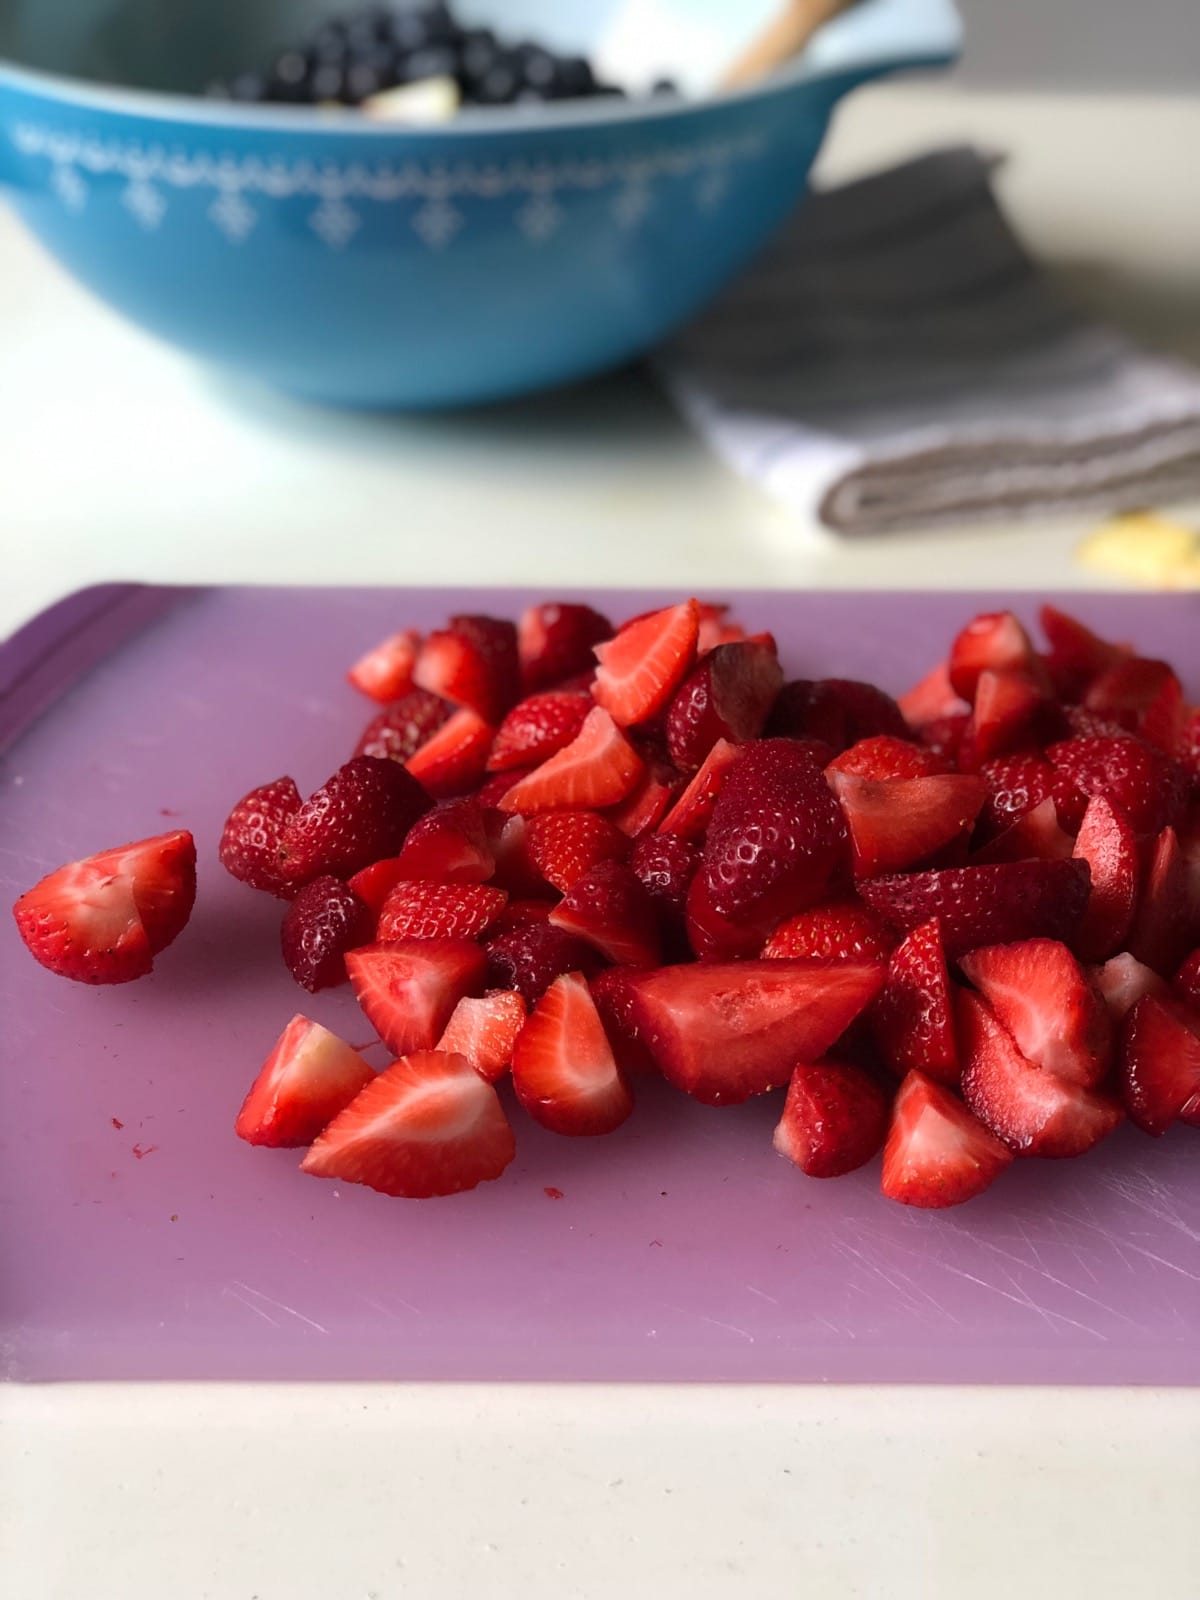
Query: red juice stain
(552, 1193)
(143, 1150)
(165, 811)
(117, 1123)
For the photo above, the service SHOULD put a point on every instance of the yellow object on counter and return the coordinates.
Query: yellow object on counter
(1146, 548)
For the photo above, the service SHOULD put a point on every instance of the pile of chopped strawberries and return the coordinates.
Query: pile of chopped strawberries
(960, 928)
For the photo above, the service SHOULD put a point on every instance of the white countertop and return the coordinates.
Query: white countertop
(211, 1492)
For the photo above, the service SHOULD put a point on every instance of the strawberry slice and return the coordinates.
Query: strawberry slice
(725, 1031)
(1122, 982)
(609, 909)
(529, 959)
(898, 821)
(563, 1067)
(1000, 904)
(933, 700)
(448, 845)
(485, 1031)
(563, 845)
(453, 760)
(1076, 655)
(946, 736)
(1036, 836)
(1149, 787)
(360, 815)
(598, 768)
(323, 922)
(1187, 981)
(690, 815)
(1015, 785)
(1159, 1065)
(834, 1120)
(409, 990)
(105, 918)
(994, 641)
(1165, 721)
(614, 1002)
(1041, 995)
(519, 914)
(1108, 844)
(424, 910)
(728, 696)
(1035, 1112)
(844, 931)
(912, 1022)
(648, 802)
(1009, 706)
(538, 728)
(1126, 691)
(427, 1126)
(555, 641)
(645, 663)
(374, 883)
(400, 730)
(664, 865)
(493, 789)
(937, 1154)
(1162, 931)
(515, 869)
(386, 672)
(472, 663)
(837, 711)
(884, 757)
(308, 1078)
(252, 840)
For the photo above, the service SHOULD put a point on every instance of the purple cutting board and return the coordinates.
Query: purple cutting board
(140, 1239)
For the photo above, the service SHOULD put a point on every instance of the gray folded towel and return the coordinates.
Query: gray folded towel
(896, 359)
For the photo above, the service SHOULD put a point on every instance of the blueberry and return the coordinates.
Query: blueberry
(539, 69)
(664, 86)
(250, 87)
(362, 81)
(575, 77)
(432, 63)
(478, 51)
(499, 84)
(290, 77)
(369, 27)
(423, 27)
(328, 83)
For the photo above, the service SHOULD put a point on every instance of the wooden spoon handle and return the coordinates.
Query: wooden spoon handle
(784, 36)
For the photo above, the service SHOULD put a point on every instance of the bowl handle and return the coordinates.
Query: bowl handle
(877, 36)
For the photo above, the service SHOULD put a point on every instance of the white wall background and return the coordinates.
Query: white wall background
(1084, 43)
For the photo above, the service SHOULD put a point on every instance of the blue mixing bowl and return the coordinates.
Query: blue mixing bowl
(368, 265)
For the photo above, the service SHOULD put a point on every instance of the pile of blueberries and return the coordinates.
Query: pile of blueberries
(348, 59)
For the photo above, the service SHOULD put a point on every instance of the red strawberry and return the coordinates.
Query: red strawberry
(472, 662)
(385, 673)
(374, 883)
(885, 756)
(1035, 1112)
(1148, 786)
(485, 1031)
(427, 1126)
(1036, 836)
(1015, 785)
(1011, 707)
(515, 869)
(727, 696)
(563, 1067)
(538, 728)
(645, 663)
(1160, 1065)
(439, 911)
(1187, 747)
(994, 641)
(401, 730)
(1162, 931)
(454, 759)
(902, 820)
(492, 791)
(519, 914)
(1091, 725)
(1076, 654)
(945, 736)
(724, 1032)
(1109, 846)
(563, 845)
(716, 627)
(835, 1118)
(1164, 722)
(598, 768)
(689, 816)
(105, 918)
(252, 840)
(645, 806)
(937, 1154)
(555, 642)
(308, 1078)
(844, 931)
(529, 959)
(408, 991)
(448, 845)
(358, 816)
(932, 700)
(999, 904)
(665, 864)
(1187, 981)
(1040, 994)
(609, 909)
(912, 1021)
(1125, 691)
(615, 1004)
(838, 711)
(1122, 982)
(325, 920)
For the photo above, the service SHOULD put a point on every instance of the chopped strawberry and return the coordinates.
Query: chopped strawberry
(843, 931)
(105, 918)
(1108, 844)
(323, 922)
(1160, 1064)
(563, 845)
(598, 768)
(309, 1077)
(724, 1032)
(1164, 723)
(537, 728)
(529, 959)
(945, 736)
(374, 883)
(385, 673)
(838, 711)
(689, 816)
(515, 868)
(519, 914)
(1015, 785)
(645, 663)
(644, 808)
(1035, 1112)
(485, 1030)
(424, 910)
(1148, 786)
(555, 641)
(834, 1120)
(563, 1066)
(1076, 654)
(448, 845)
(427, 1126)
(884, 756)
(361, 815)
(1162, 931)
(933, 700)
(1122, 982)
(1085, 724)
(912, 1021)
(728, 696)
(408, 991)
(1187, 746)
(1010, 709)
(1036, 836)
(994, 641)
(1042, 996)
(615, 1004)
(453, 760)
(493, 789)
(717, 627)
(999, 904)
(399, 731)
(1187, 981)
(1127, 691)
(609, 909)
(251, 843)
(665, 864)
(473, 663)
(937, 1154)
(899, 821)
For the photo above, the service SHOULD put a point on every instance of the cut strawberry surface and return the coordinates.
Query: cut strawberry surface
(555, 641)
(937, 1153)
(728, 696)
(1163, 929)
(837, 711)
(408, 990)
(641, 668)
(1164, 723)
(644, 808)
(933, 700)
(1159, 1064)
(900, 821)
(1122, 982)
(493, 789)
(1041, 995)
(427, 1126)
(310, 1076)
(1187, 981)
(1108, 844)
(598, 768)
(1150, 788)
(843, 931)
(912, 1021)
(609, 909)
(515, 869)
(386, 672)
(448, 845)
(473, 664)
(834, 1120)
(884, 757)
(946, 736)
(362, 814)
(563, 845)
(723, 1032)
(1126, 691)
(374, 883)
(485, 1029)
(564, 1070)
(691, 813)
(1076, 655)
(1036, 836)
(538, 728)
(614, 1002)
(1018, 784)
(529, 959)
(992, 642)
(453, 760)
(976, 905)
(423, 910)
(252, 841)
(400, 730)
(323, 922)
(1009, 705)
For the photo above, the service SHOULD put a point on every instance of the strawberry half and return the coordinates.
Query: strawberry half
(105, 918)
(529, 959)
(912, 1021)
(485, 1031)
(1015, 785)
(1000, 904)
(385, 673)
(538, 728)
(835, 1118)
(323, 922)
(1159, 1065)
(614, 1003)
(1041, 995)
(408, 991)
(728, 696)
(598, 768)
(563, 845)
(1162, 931)
(473, 663)
(1076, 655)
(1187, 981)
(1150, 788)
(899, 821)
(1122, 982)
(1108, 844)
(448, 845)
(837, 711)
(933, 700)
(555, 641)
(642, 666)
(937, 1154)
(609, 909)
(252, 839)
(453, 759)
(424, 910)
(360, 815)
(563, 1067)
(844, 931)
(427, 1126)
(884, 757)
(1034, 837)
(691, 813)
(992, 642)
(308, 1078)
(1009, 706)
(399, 731)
